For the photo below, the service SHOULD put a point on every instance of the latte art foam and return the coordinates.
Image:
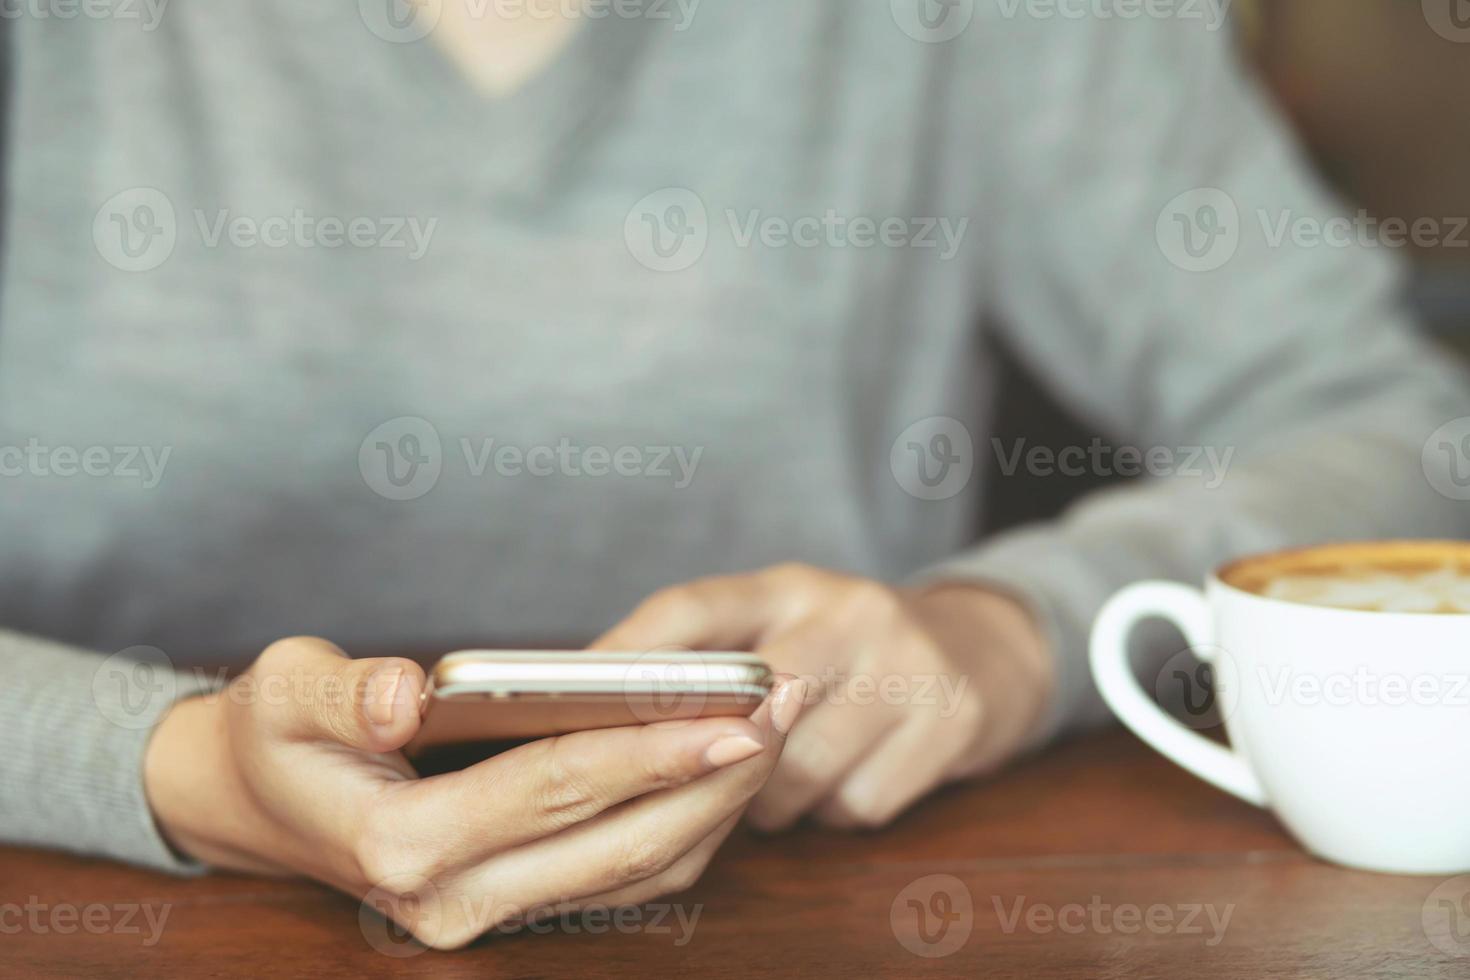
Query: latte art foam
(1444, 590)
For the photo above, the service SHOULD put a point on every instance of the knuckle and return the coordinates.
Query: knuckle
(289, 668)
(381, 864)
(564, 803)
(281, 654)
(793, 572)
(675, 604)
(298, 646)
(642, 858)
(662, 768)
(385, 858)
(566, 794)
(267, 686)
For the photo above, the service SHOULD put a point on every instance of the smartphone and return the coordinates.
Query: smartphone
(483, 696)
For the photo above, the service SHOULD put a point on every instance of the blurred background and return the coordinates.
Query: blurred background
(1381, 98)
(1383, 101)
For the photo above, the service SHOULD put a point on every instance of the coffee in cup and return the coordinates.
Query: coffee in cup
(1409, 577)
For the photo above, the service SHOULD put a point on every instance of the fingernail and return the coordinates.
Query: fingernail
(383, 695)
(732, 749)
(789, 702)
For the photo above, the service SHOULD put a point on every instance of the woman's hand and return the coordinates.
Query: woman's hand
(911, 688)
(296, 769)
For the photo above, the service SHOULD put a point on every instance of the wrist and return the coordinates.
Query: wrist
(1000, 645)
(193, 788)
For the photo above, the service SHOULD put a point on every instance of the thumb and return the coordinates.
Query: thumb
(312, 690)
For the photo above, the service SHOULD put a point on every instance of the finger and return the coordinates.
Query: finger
(828, 649)
(816, 648)
(644, 837)
(729, 612)
(545, 787)
(909, 763)
(833, 736)
(830, 742)
(680, 877)
(309, 689)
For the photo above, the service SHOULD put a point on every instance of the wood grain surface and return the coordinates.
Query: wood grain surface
(1096, 860)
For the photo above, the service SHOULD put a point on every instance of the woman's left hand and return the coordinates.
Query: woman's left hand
(907, 689)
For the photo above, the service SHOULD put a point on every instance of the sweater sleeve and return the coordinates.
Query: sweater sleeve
(1157, 266)
(76, 726)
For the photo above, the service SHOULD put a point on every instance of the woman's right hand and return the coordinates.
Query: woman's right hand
(296, 770)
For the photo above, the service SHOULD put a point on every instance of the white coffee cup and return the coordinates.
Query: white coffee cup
(1350, 725)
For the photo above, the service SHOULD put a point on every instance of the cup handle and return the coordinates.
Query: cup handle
(1187, 609)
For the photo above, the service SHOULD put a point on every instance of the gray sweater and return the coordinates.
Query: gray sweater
(299, 334)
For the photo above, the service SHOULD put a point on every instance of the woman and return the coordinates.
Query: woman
(460, 323)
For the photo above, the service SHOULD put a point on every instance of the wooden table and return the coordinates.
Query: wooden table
(1097, 860)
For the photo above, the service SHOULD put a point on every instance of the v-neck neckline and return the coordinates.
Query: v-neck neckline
(522, 136)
